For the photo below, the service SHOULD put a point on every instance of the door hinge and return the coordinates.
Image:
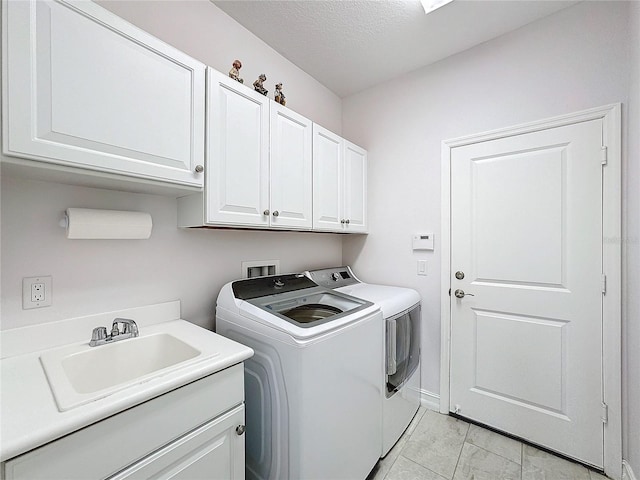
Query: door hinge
(605, 412)
(603, 155)
(604, 284)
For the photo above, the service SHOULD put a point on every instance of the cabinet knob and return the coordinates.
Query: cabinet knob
(342, 221)
(199, 169)
(347, 221)
(266, 212)
(240, 429)
(276, 213)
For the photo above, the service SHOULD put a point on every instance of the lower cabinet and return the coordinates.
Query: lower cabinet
(214, 451)
(193, 432)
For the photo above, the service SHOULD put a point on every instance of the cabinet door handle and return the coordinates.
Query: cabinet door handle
(199, 169)
(342, 221)
(276, 213)
(240, 429)
(266, 212)
(346, 221)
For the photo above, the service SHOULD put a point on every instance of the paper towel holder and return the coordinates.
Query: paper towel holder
(95, 224)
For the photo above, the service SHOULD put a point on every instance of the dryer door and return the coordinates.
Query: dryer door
(402, 348)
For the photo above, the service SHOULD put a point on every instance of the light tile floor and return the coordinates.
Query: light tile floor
(439, 447)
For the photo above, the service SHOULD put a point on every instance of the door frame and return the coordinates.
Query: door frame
(611, 257)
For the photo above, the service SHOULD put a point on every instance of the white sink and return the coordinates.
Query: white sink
(78, 374)
(110, 365)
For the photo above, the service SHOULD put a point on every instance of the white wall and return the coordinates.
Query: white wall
(209, 35)
(92, 276)
(631, 236)
(574, 60)
(191, 265)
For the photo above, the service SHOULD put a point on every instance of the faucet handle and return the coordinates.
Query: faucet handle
(98, 334)
(115, 331)
(129, 327)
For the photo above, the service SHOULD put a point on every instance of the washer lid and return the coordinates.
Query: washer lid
(310, 307)
(391, 300)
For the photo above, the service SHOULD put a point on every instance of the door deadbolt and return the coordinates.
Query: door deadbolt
(459, 275)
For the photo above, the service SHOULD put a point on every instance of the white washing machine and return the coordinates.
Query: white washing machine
(312, 389)
(401, 311)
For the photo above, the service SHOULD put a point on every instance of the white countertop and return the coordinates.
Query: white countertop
(29, 416)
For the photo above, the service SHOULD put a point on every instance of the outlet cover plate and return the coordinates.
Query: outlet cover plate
(34, 288)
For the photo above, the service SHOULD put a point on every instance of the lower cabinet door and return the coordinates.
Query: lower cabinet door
(213, 451)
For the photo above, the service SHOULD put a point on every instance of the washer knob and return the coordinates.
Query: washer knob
(335, 276)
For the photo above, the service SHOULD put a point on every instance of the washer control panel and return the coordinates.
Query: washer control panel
(333, 277)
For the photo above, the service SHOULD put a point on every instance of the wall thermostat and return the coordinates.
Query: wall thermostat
(423, 241)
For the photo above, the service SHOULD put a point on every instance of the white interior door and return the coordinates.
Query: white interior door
(526, 233)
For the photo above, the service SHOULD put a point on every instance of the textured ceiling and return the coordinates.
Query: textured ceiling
(350, 45)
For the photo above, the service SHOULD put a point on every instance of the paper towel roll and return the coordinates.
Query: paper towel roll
(87, 223)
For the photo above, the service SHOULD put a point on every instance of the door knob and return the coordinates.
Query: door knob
(266, 212)
(276, 213)
(199, 169)
(460, 294)
(240, 429)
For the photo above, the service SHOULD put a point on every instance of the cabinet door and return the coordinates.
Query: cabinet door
(237, 173)
(327, 180)
(355, 188)
(291, 169)
(84, 88)
(215, 451)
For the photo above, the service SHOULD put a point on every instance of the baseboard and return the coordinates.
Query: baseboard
(430, 400)
(627, 473)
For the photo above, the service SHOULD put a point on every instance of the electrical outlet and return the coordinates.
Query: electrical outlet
(36, 292)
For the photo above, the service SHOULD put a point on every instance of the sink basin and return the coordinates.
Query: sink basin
(110, 365)
(78, 374)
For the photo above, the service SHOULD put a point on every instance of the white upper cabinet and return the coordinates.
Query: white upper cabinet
(355, 188)
(258, 159)
(291, 169)
(84, 88)
(339, 184)
(237, 174)
(327, 180)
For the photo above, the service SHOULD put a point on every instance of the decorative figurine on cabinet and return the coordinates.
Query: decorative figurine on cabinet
(278, 96)
(257, 85)
(235, 71)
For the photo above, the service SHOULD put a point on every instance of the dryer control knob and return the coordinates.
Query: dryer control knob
(335, 276)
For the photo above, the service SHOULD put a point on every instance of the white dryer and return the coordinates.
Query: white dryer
(312, 389)
(401, 311)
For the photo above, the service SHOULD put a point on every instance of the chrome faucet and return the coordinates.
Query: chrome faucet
(99, 335)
